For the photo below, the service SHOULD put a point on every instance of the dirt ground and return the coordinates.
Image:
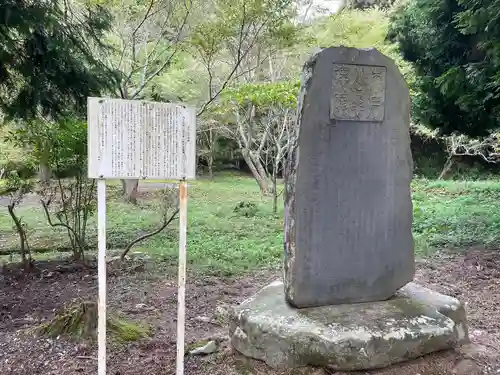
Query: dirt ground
(141, 294)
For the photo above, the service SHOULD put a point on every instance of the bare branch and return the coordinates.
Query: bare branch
(150, 234)
(134, 32)
(240, 55)
(169, 60)
(60, 224)
(146, 15)
(486, 148)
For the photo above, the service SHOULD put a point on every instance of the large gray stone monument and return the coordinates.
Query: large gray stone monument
(348, 208)
(347, 301)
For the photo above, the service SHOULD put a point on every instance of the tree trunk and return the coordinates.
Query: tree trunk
(44, 170)
(130, 189)
(447, 167)
(210, 167)
(263, 173)
(44, 173)
(275, 191)
(24, 249)
(210, 159)
(256, 169)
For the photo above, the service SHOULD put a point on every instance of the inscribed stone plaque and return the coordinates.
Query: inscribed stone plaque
(348, 208)
(358, 92)
(131, 139)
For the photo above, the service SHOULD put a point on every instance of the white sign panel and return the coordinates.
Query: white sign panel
(135, 139)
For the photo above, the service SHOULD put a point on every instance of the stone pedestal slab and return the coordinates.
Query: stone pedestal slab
(414, 322)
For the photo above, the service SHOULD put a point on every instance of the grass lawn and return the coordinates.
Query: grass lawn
(218, 237)
(224, 240)
(456, 214)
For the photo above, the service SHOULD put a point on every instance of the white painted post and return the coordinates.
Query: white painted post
(101, 271)
(181, 291)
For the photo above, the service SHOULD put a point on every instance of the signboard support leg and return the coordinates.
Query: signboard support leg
(101, 261)
(181, 292)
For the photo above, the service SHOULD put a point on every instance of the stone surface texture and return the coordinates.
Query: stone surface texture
(416, 321)
(348, 209)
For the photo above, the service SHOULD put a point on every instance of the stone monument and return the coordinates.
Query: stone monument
(348, 301)
(348, 208)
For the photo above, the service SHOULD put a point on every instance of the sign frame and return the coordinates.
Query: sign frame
(140, 151)
(98, 154)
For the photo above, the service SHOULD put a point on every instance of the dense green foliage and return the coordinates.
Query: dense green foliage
(366, 4)
(47, 63)
(66, 139)
(454, 47)
(262, 96)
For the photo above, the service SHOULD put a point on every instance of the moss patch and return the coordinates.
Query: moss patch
(79, 321)
(126, 331)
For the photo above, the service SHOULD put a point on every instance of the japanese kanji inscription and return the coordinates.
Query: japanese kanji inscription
(358, 92)
(141, 139)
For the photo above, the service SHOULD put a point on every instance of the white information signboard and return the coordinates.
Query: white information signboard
(135, 139)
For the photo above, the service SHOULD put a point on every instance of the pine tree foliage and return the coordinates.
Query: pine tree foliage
(454, 46)
(47, 64)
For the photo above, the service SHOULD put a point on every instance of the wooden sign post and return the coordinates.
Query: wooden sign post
(135, 139)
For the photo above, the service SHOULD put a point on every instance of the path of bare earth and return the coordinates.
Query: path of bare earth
(33, 199)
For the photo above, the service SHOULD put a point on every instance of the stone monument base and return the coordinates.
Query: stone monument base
(415, 322)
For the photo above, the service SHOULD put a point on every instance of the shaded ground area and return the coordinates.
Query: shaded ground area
(148, 295)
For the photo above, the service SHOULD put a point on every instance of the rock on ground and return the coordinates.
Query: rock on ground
(208, 348)
(415, 322)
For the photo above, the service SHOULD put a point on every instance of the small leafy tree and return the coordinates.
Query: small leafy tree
(71, 202)
(231, 39)
(147, 36)
(459, 145)
(238, 37)
(260, 118)
(67, 203)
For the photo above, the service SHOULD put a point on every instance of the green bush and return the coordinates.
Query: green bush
(453, 46)
(24, 168)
